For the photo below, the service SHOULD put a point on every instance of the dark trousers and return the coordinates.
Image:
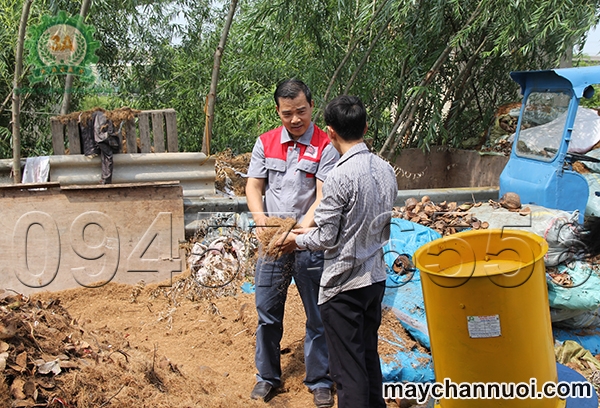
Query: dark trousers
(351, 321)
(107, 148)
(272, 281)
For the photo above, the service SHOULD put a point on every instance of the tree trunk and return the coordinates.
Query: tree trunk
(16, 97)
(66, 104)
(212, 95)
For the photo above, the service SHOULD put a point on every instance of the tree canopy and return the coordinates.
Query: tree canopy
(430, 72)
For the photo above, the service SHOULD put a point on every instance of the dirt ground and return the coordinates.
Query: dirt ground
(145, 346)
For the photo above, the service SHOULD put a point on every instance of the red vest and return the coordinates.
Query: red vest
(274, 149)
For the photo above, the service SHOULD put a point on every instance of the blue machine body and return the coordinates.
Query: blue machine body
(540, 174)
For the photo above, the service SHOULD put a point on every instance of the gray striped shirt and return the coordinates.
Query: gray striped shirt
(353, 222)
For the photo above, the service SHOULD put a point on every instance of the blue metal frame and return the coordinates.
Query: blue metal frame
(551, 184)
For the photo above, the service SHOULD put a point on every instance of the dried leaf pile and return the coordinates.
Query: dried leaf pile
(230, 172)
(32, 352)
(109, 357)
(49, 360)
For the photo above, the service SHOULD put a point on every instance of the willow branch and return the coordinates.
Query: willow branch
(408, 112)
(349, 53)
(367, 55)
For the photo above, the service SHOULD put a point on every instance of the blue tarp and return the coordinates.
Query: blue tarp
(589, 339)
(247, 287)
(404, 296)
(584, 294)
(411, 365)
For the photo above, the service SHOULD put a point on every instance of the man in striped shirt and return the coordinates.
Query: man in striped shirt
(353, 224)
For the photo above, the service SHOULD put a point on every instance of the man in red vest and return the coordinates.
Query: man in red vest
(289, 164)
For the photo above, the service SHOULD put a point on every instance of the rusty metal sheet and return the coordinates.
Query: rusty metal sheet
(54, 239)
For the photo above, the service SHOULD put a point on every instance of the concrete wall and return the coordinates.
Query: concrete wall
(448, 168)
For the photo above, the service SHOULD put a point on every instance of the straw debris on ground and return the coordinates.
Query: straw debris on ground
(177, 344)
(145, 346)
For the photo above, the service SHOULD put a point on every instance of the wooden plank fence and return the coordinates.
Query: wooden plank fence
(155, 129)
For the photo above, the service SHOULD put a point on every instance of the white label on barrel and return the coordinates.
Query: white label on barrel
(483, 326)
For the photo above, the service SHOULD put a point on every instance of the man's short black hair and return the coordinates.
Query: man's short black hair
(290, 89)
(347, 115)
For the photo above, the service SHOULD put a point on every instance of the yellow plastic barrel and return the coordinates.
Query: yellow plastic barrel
(486, 303)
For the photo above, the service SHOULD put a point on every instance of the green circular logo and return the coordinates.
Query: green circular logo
(61, 45)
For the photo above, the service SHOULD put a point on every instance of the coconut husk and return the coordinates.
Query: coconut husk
(580, 168)
(446, 217)
(275, 229)
(510, 201)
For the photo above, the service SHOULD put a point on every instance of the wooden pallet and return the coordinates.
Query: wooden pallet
(148, 127)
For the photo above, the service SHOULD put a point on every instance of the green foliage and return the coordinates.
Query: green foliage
(594, 101)
(5, 139)
(39, 101)
(107, 102)
(430, 72)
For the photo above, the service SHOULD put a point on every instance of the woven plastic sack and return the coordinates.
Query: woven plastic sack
(584, 294)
